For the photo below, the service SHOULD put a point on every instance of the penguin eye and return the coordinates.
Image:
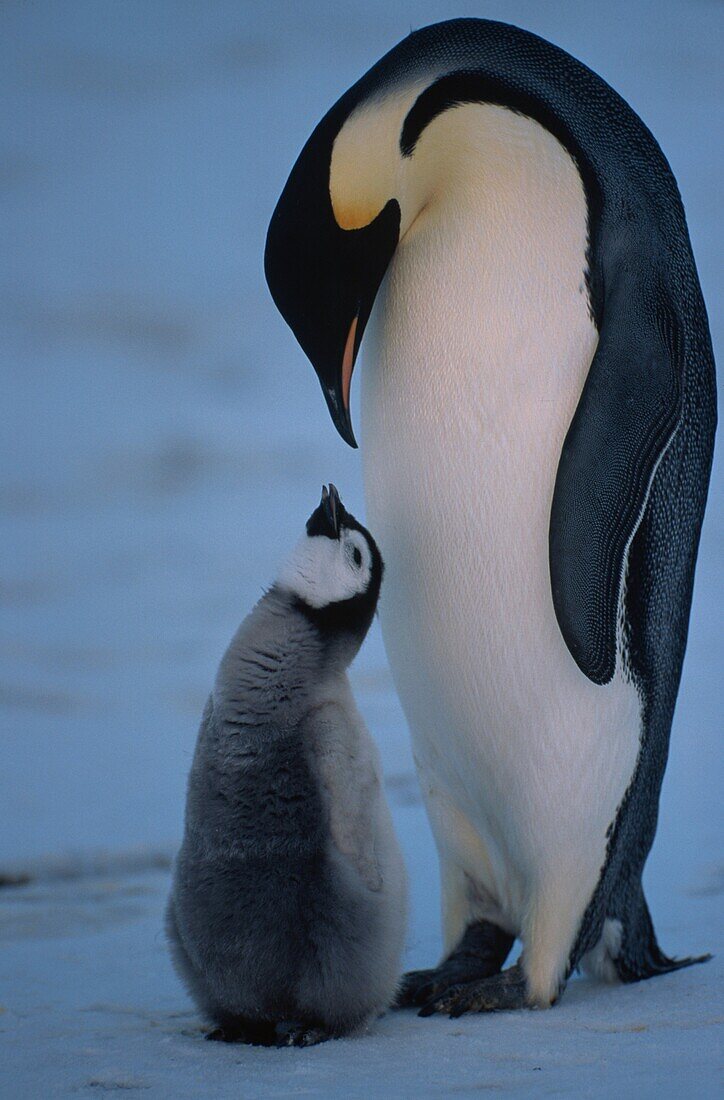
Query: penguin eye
(357, 556)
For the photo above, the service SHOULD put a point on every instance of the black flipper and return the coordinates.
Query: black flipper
(640, 956)
(480, 954)
(626, 416)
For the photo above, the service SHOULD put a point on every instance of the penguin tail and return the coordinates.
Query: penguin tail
(640, 956)
(652, 962)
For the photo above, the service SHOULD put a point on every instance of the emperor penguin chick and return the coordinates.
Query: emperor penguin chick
(288, 907)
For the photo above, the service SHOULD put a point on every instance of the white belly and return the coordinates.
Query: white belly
(475, 358)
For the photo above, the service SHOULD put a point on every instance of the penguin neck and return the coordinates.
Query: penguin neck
(277, 661)
(485, 302)
(499, 191)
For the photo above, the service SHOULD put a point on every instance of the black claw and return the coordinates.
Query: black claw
(438, 1003)
(411, 985)
(218, 1035)
(299, 1035)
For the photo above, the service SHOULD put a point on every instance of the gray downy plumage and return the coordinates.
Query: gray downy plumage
(288, 907)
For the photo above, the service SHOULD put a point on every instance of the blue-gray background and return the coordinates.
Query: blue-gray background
(164, 437)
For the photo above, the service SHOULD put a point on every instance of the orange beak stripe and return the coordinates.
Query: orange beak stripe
(348, 362)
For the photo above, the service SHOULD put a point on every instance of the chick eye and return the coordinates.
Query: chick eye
(357, 556)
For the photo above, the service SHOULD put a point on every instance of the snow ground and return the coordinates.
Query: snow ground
(166, 441)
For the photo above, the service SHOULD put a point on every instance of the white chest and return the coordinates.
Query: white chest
(474, 361)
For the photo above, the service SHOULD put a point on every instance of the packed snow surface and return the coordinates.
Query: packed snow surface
(164, 440)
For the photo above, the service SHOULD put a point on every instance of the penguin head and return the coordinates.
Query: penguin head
(324, 277)
(368, 171)
(348, 201)
(335, 570)
(389, 157)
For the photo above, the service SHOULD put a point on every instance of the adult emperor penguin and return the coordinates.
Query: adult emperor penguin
(538, 418)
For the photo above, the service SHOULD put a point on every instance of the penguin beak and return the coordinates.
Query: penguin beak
(326, 519)
(323, 278)
(334, 506)
(337, 393)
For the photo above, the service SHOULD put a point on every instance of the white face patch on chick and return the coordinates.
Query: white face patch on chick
(322, 571)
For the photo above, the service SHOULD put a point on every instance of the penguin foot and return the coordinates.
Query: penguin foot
(299, 1035)
(252, 1032)
(262, 1033)
(216, 1035)
(480, 954)
(500, 993)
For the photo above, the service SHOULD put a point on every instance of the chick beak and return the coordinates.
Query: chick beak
(331, 506)
(335, 507)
